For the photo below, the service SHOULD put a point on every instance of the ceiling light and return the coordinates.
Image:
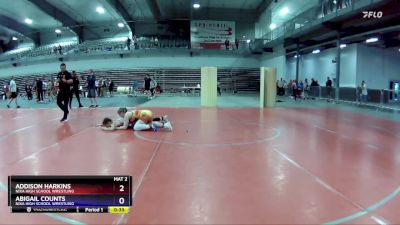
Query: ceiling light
(272, 26)
(28, 21)
(14, 38)
(296, 56)
(244, 36)
(121, 25)
(316, 51)
(196, 5)
(371, 40)
(284, 11)
(343, 46)
(248, 41)
(100, 10)
(58, 31)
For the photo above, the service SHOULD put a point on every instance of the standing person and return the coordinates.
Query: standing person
(227, 44)
(306, 89)
(153, 85)
(156, 42)
(135, 42)
(75, 90)
(111, 87)
(91, 80)
(328, 89)
(39, 90)
(364, 92)
(45, 86)
(6, 89)
(128, 43)
(147, 81)
(28, 90)
(237, 41)
(56, 87)
(294, 89)
(14, 93)
(50, 89)
(279, 85)
(104, 86)
(64, 93)
(219, 88)
(60, 49)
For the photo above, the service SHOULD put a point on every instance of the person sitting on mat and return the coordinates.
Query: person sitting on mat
(136, 119)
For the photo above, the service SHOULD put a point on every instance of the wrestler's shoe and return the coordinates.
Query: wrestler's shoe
(168, 126)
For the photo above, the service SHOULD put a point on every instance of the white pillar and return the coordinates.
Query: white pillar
(209, 86)
(267, 87)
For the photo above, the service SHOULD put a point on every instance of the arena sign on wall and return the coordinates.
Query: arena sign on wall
(211, 34)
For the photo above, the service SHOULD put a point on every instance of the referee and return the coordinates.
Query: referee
(65, 80)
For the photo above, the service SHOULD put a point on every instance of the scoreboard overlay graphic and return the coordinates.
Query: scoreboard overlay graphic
(70, 194)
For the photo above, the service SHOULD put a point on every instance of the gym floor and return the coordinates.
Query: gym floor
(288, 165)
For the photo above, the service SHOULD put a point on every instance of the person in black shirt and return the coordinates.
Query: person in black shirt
(111, 88)
(65, 80)
(328, 89)
(147, 82)
(128, 43)
(28, 90)
(75, 90)
(39, 90)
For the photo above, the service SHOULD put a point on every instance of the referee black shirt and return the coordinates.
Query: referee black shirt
(64, 87)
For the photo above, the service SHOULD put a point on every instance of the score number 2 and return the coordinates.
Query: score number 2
(121, 200)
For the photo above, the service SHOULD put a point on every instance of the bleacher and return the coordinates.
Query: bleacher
(170, 80)
(100, 45)
(11, 55)
(47, 50)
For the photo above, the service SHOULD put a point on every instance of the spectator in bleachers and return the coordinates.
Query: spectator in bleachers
(111, 87)
(14, 93)
(39, 90)
(91, 80)
(128, 43)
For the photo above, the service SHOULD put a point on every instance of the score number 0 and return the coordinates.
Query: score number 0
(121, 200)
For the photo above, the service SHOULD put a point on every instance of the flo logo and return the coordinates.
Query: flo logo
(372, 14)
